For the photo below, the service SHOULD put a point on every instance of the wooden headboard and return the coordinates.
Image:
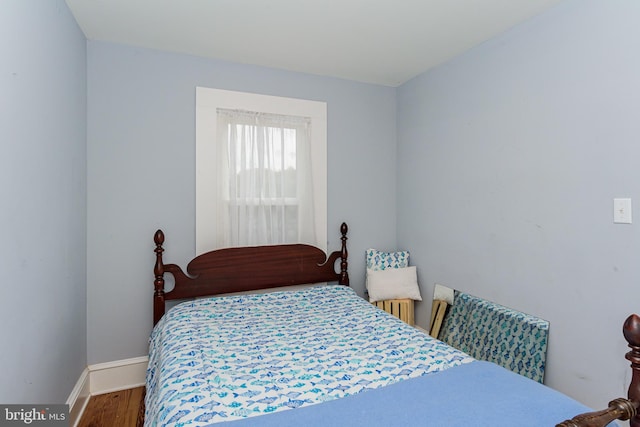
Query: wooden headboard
(246, 268)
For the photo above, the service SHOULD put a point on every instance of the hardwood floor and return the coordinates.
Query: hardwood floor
(118, 409)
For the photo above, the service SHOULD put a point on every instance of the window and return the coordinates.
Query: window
(260, 170)
(264, 179)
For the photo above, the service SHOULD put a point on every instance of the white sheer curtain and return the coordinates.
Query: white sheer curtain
(265, 194)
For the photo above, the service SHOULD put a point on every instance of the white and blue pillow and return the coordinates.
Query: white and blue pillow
(390, 277)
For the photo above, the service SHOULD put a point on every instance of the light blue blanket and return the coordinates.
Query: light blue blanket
(475, 394)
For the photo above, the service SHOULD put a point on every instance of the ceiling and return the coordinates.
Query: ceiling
(384, 42)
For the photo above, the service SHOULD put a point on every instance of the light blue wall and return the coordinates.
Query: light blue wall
(510, 157)
(141, 156)
(43, 193)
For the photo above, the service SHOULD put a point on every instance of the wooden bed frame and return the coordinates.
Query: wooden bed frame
(247, 269)
(262, 267)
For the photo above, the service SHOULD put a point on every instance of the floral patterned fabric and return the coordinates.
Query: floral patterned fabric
(226, 358)
(492, 332)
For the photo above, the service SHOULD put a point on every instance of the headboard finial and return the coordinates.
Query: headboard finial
(158, 238)
(344, 229)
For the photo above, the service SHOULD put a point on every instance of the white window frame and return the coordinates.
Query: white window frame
(208, 100)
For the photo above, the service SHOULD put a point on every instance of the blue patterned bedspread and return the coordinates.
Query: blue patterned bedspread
(227, 358)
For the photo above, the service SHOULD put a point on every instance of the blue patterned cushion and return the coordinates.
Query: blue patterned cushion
(492, 332)
(378, 260)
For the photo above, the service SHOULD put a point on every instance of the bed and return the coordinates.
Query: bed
(322, 356)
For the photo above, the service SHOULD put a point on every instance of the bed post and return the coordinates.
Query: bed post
(158, 283)
(619, 409)
(344, 276)
(631, 331)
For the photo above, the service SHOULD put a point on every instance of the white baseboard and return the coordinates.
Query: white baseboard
(79, 398)
(119, 375)
(104, 378)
